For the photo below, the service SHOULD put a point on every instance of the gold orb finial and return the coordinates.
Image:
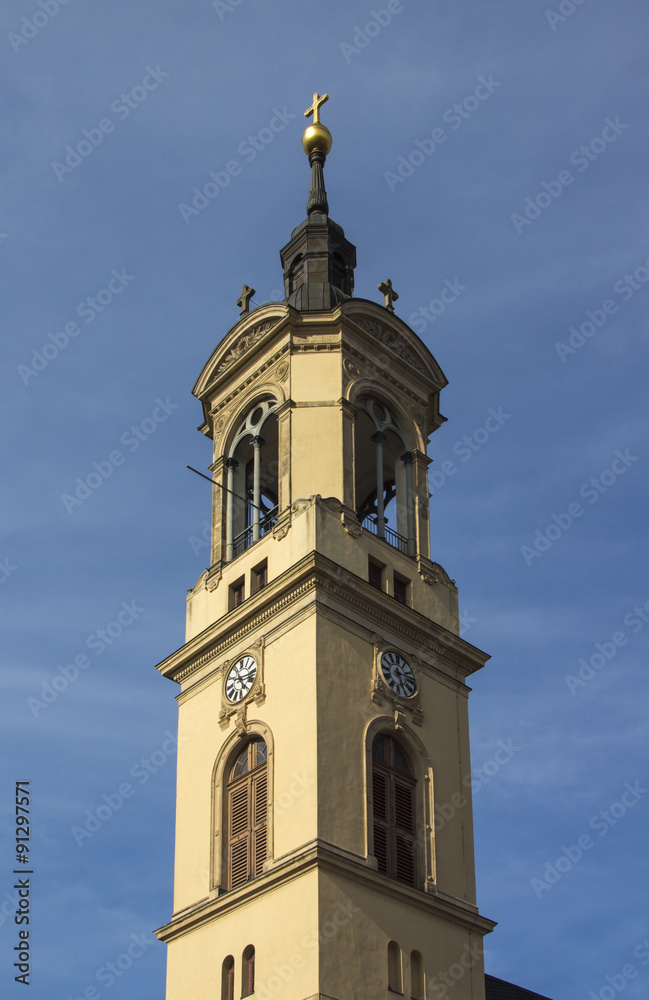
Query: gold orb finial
(317, 135)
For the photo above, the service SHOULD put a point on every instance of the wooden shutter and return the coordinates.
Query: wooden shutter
(405, 861)
(404, 822)
(380, 810)
(393, 807)
(247, 823)
(239, 826)
(259, 821)
(403, 806)
(239, 866)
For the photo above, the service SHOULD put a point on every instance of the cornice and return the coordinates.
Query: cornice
(230, 629)
(413, 626)
(320, 857)
(313, 573)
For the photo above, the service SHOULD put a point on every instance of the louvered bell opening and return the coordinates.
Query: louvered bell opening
(381, 848)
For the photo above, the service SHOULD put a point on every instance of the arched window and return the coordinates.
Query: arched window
(251, 496)
(227, 979)
(248, 972)
(393, 808)
(383, 475)
(395, 974)
(246, 798)
(417, 979)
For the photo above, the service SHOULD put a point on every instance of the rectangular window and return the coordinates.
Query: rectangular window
(259, 576)
(237, 593)
(375, 574)
(401, 588)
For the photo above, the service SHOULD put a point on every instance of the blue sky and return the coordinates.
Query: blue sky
(200, 80)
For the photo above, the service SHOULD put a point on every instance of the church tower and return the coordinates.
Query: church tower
(323, 718)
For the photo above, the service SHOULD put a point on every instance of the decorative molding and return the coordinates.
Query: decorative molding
(331, 503)
(399, 719)
(315, 346)
(281, 372)
(242, 387)
(394, 341)
(241, 721)
(303, 504)
(380, 691)
(432, 573)
(351, 524)
(244, 343)
(368, 369)
(352, 370)
(281, 530)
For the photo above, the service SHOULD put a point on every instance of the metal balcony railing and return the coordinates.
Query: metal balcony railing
(389, 535)
(244, 540)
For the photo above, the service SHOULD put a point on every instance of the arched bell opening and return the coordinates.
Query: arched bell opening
(252, 465)
(383, 475)
(295, 276)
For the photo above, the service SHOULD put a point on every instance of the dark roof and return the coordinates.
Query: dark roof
(498, 989)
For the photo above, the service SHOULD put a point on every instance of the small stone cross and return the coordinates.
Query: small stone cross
(390, 295)
(244, 299)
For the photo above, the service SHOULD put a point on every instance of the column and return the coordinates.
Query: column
(230, 465)
(378, 439)
(257, 444)
(410, 518)
(219, 507)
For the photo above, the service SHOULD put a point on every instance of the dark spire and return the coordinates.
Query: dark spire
(318, 261)
(317, 195)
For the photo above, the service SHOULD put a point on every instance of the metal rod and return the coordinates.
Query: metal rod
(224, 488)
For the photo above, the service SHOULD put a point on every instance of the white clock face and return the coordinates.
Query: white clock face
(240, 678)
(398, 674)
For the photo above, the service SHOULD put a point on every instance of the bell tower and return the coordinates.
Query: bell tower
(322, 685)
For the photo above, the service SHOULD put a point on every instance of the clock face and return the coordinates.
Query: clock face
(240, 678)
(398, 674)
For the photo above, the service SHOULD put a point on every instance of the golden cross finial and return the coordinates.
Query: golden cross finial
(388, 291)
(315, 107)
